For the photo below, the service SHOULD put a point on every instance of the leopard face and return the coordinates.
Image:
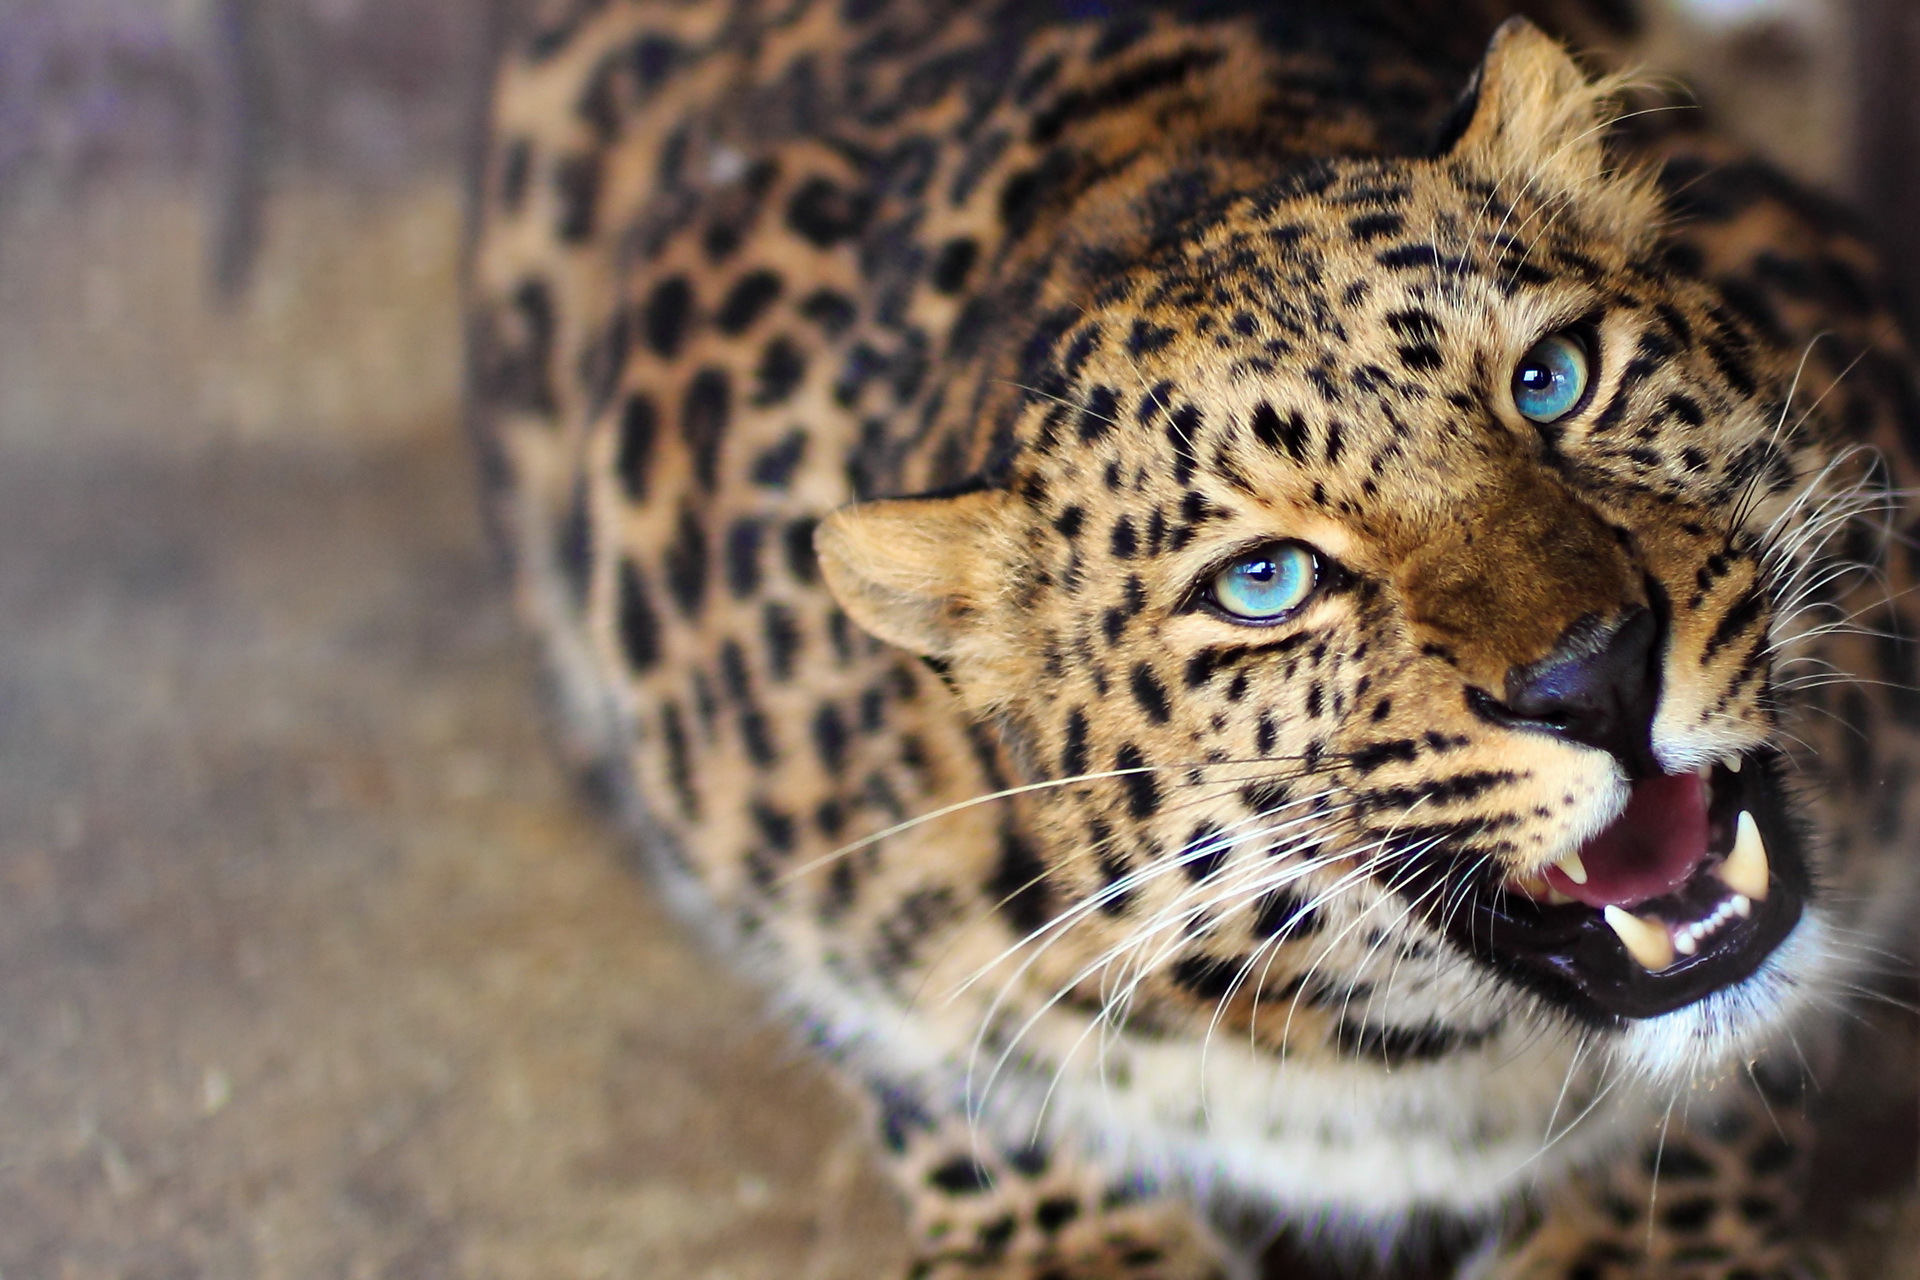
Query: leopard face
(1389, 576)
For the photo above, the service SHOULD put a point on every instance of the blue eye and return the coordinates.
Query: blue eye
(1551, 378)
(1267, 583)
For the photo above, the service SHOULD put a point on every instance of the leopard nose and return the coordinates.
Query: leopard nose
(1599, 687)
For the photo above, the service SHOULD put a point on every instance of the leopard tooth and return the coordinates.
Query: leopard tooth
(1647, 941)
(1733, 763)
(1572, 868)
(1745, 871)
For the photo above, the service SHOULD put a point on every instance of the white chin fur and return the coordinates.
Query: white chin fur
(1736, 1023)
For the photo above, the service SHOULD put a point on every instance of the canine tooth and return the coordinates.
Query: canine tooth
(1555, 898)
(1745, 871)
(1647, 941)
(1732, 763)
(1574, 869)
(1742, 905)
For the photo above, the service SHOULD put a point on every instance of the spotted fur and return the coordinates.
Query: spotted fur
(867, 392)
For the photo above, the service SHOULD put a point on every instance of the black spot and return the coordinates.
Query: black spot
(1689, 1215)
(1774, 1155)
(633, 459)
(1678, 1161)
(516, 168)
(1183, 428)
(830, 737)
(783, 639)
(679, 761)
(703, 422)
(575, 546)
(686, 562)
(1373, 755)
(1687, 409)
(1414, 256)
(1205, 850)
(826, 213)
(517, 364)
(639, 625)
(776, 464)
(1209, 977)
(951, 268)
(1415, 324)
(782, 366)
(833, 312)
(1125, 541)
(665, 315)
(576, 186)
(1372, 226)
(1739, 616)
(1150, 693)
(1393, 1046)
(801, 561)
(1280, 912)
(1097, 415)
(1073, 754)
(735, 208)
(747, 301)
(776, 827)
(623, 80)
(1026, 190)
(1141, 786)
(1055, 1212)
(1147, 338)
(961, 1176)
(1279, 434)
(1421, 356)
(743, 558)
(1018, 887)
(991, 1238)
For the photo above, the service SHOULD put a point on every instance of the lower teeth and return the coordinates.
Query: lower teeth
(1654, 944)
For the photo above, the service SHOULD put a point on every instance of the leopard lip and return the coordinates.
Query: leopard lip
(1569, 952)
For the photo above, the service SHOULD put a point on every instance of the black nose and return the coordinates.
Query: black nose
(1599, 687)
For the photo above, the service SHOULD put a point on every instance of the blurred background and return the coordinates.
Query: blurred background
(311, 964)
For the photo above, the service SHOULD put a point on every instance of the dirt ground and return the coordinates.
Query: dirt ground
(311, 963)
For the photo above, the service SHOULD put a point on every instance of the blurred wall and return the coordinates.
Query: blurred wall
(304, 154)
(229, 219)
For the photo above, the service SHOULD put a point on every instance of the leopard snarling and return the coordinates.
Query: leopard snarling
(1259, 613)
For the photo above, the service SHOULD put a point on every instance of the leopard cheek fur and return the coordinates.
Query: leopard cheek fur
(819, 344)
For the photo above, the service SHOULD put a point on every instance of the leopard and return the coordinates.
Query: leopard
(1281, 629)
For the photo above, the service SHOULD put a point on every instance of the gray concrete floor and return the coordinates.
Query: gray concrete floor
(311, 963)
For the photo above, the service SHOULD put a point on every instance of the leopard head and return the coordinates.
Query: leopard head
(1388, 576)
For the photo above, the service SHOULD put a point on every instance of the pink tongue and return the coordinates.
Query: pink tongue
(1650, 850)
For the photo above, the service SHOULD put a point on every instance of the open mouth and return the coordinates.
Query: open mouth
(1687, 892)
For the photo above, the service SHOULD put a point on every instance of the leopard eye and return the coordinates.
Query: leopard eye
(1267, 583)
(1551, 378)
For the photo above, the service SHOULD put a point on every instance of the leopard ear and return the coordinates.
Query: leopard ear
(914, 571)
(1533, 121)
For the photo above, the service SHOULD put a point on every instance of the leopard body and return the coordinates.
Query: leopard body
(867, 393)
